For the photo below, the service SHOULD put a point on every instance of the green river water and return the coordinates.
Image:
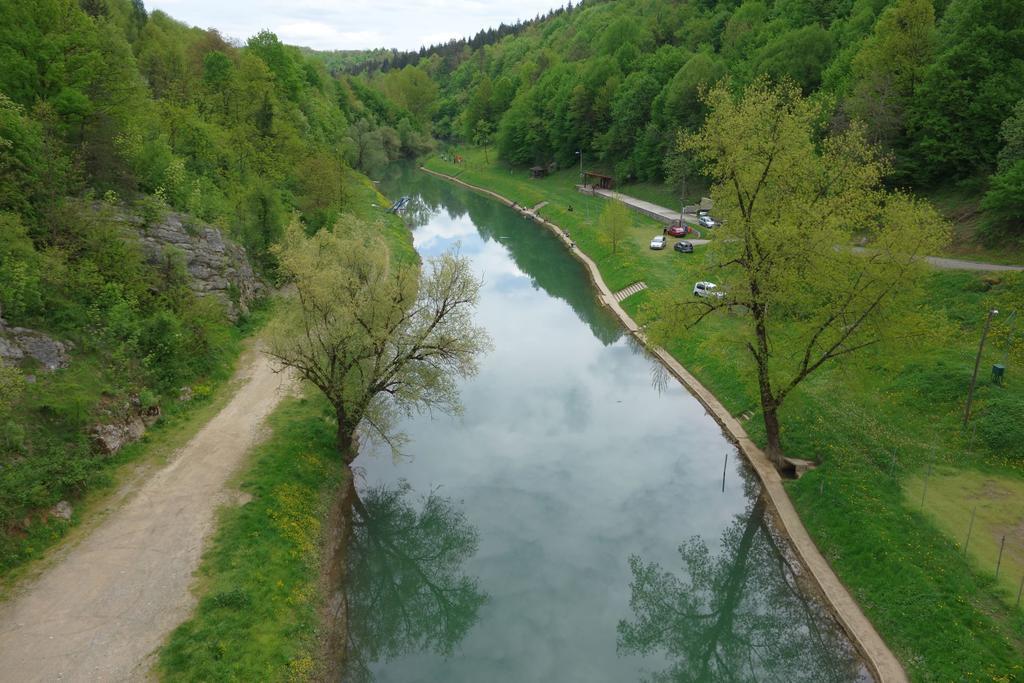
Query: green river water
(576, 523)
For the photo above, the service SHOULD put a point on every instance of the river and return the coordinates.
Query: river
(581, 521)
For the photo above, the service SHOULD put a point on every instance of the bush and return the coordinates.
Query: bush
(19, 269)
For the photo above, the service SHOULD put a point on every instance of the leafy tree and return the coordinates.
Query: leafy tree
(478, 107)
(968, 90)
(279, 59)
(321, 181)
(1012, 134)
(368, 152)
(1004, 203)
(800, 55)
(484, 136)
(21, 147)
(889, 65)
(20, 291)
(519, 140)
(376, 337)
(683, 106)
(629, 116)
(412, 89)
(614, 223)
(791, 203)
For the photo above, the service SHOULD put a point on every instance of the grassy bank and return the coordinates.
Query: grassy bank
(875, 425)
(257, 617)
(59, 409)
(257, 613)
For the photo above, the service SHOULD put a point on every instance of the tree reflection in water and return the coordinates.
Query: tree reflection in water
(404, 590)
(738, 616)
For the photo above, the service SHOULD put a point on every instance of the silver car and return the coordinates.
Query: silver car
(704, 289)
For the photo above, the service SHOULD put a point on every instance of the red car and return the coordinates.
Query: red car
(679, 230)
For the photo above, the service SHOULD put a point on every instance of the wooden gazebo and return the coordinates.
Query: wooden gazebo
(599, 180)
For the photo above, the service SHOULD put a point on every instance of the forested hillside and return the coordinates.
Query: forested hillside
(114, 122)
(935, 81)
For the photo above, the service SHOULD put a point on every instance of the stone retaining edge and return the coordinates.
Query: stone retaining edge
(877, 655)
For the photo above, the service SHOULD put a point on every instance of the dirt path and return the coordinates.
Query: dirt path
(109, 601)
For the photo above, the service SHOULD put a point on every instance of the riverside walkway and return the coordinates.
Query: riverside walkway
(647, 208)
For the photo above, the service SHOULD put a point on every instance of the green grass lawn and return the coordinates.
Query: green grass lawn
(257, 613)
(997, 504)
(363, 200)
(943, 615)
(665, 195)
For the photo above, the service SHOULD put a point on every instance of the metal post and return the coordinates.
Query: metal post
(970, 528)
(999, 561)
(977, 363)
(682, 200)
(925, 492)
(724, 466)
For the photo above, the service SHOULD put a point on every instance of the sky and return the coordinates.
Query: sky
(352, 24)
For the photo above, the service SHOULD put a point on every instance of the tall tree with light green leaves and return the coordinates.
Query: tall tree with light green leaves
(792, 201)
(379, 338)
(613, 224)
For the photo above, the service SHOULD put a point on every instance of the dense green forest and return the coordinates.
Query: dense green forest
(108, 110)
(938, 83)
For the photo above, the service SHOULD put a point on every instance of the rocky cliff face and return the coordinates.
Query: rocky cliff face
(217, 266)
(20, 344)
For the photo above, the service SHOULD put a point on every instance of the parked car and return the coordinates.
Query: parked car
(659, 242)
(707, 289)
(706, 221)
(677, 230)
(684, 247)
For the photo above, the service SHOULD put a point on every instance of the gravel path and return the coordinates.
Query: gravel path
(105, 605)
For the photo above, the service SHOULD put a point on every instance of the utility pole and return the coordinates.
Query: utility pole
(977, 363)
(682, 199)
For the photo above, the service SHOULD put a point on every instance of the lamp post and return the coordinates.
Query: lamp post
(977, 363)
(579, 153)
(682, 199)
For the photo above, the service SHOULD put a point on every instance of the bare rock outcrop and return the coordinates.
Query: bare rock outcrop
(127, 424)
(216, 265)
(110, 438)
(20, 344)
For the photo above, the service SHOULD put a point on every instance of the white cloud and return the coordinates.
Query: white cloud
(352, 24)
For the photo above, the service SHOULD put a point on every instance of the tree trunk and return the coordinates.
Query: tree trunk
(769, 404)
(345, 438)
(771, 428)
